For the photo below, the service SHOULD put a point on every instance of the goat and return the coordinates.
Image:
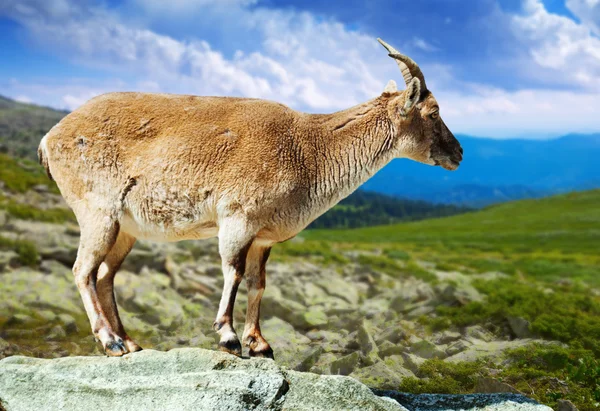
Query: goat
(252, 172)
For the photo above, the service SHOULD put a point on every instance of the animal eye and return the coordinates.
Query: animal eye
(434, 115)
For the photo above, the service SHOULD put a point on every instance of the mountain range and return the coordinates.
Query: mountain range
(497, 170)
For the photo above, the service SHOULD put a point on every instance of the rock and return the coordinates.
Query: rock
(367, 344)
(520, 327)
(181, 379)
(308, 358)
(458, 293)
(417, 292)
(68, 322)
(346, 365)
(447, 337)
(314, 317)
(21, 320)
(46, 315)
(479, 333)
(412, 362)
(468, 402)
(397, 364)
(323, 364)
(387, 349)
(378, 375)
(139, 258)
(492, 350)
(275, 305)
(393, 334)
(4, 346)
(288, 343)
(337, 286)
(56, 333)
(491, 385)
(330, 341)
(426, 349)
(565, 405)
(64, 255)
(8, 259)
(457, 347)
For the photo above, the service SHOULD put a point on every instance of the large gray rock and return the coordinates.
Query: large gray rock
(181, 379)
(197, 379)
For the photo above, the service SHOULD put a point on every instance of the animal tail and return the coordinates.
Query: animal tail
(43, 156)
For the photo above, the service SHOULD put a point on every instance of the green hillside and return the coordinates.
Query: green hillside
(365, 209)
(551, 238)
(23, 125)
(569, 223)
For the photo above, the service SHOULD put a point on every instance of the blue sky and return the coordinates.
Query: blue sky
(499, 68)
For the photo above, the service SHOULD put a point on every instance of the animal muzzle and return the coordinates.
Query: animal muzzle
(449, 161)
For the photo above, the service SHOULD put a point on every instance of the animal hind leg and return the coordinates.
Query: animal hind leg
(98, 235)
(105, 286)
(255, 280)
(235, 239)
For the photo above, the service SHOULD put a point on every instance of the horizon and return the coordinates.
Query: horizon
(530, 137)
(317, 57)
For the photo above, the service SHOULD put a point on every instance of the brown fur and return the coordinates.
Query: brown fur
(254, 172)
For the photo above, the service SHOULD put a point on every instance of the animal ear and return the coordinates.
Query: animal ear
(391, 87)
(412, 94)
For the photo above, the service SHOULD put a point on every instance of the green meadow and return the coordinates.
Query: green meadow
(549, 239)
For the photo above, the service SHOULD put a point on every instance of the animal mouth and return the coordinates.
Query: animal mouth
(447, 163)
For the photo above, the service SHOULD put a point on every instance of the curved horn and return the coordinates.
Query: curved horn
(408, 67)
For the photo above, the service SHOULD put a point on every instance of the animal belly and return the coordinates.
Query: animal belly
(170, 231)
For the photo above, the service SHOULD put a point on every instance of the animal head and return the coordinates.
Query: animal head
(422, 134)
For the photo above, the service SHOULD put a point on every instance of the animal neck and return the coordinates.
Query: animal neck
(355, 144)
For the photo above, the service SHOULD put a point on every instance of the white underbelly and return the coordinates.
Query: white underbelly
(145, 230)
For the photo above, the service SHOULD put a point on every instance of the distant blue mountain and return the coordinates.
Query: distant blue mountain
(498, 170)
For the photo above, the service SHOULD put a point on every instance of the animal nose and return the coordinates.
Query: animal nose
(459, 154)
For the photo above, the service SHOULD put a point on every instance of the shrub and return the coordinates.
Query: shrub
(26, 250)
(27, 212)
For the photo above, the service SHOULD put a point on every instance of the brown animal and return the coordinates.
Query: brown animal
(252, 172)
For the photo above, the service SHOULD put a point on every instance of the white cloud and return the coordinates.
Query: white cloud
(23, 99)
(588, 11)
(309, 63)
(498, 113)
(560, 44)
(423, 45)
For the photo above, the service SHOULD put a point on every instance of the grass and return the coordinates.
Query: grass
(523, 226)
(28, 212)
(26, 250)
(548, 239)
(545, 372)
(21, 175)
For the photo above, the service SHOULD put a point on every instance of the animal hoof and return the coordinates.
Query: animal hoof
(132, 346)
(115, 348)
(232, 347)
(264, 353)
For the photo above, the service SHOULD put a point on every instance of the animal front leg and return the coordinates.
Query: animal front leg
(234, 241)
(255, 280)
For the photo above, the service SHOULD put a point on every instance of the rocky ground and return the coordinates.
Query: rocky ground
(192, 379)
(326, 317)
